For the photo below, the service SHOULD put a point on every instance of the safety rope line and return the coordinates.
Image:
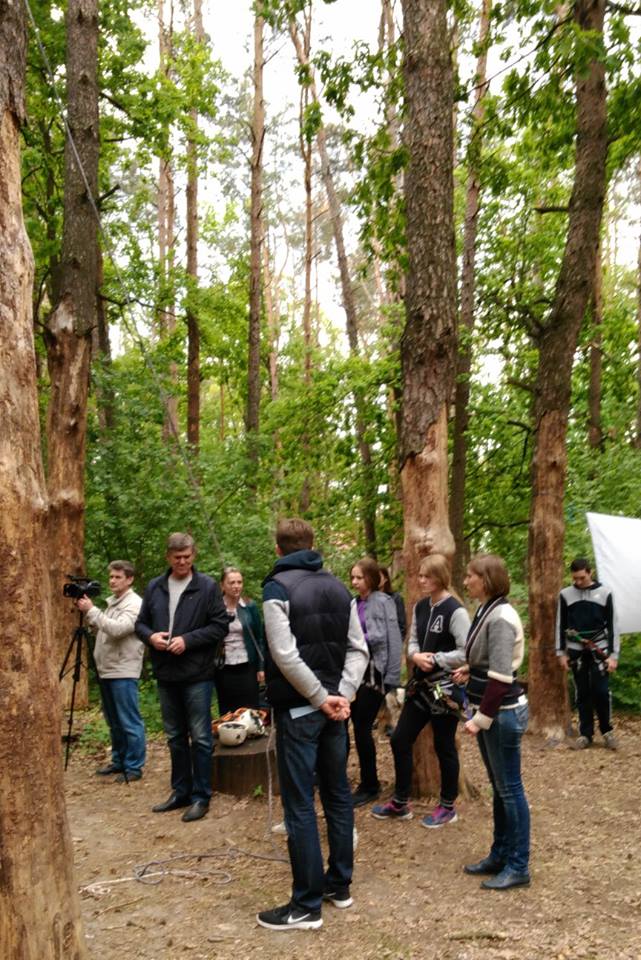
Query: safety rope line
(127, 315)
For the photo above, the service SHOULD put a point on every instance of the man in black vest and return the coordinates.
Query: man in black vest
(317, 655)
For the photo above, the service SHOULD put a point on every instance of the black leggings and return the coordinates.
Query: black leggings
(236, 687)
(364, 710)
(410, 723)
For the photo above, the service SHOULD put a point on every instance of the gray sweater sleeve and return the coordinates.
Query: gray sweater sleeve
(284, 653)
(413, 645)
(356, 658)
(459, 629)
(501, 636)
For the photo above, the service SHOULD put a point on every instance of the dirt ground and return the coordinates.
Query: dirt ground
(411, 898)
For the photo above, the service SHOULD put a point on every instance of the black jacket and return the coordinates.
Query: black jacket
(200, 619)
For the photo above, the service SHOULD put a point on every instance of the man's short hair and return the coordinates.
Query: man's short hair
(294, 534)
(580, 563)
(180, 541)
(124, 566)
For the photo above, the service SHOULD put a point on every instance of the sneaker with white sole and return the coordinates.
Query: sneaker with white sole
(439, 817)
(339, 898)
(581, 743)
(290, 917)
(392, 810)
(610, 741)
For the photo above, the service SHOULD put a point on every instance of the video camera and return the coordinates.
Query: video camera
(80, 587)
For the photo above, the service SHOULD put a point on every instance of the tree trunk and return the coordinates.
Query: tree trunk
(167, 225)
(368, 500)
(69, 330)
(429, 339)
(256, 245)
(39, 905)
(557, 346)
(193, 327)
(466, 317)
(637, 439)
(105, 399)
(306, 155)
(595, 429)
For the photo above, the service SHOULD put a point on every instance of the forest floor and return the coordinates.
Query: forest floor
(411, 898)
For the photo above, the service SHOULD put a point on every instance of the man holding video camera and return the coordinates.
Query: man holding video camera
(118, 656)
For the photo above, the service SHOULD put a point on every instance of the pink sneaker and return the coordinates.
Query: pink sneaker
(392, 811)
(439, 817)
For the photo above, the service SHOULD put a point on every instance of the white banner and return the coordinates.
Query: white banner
(617, 552)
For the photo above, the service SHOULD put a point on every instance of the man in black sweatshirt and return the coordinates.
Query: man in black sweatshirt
(588, 644)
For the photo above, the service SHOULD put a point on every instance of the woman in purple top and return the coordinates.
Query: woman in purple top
(378, 618)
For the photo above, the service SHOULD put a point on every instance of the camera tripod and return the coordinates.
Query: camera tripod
(75, 648)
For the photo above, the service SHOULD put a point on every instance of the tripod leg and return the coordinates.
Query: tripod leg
(77, 640)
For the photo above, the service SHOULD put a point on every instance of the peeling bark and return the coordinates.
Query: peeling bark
(69, 330)
(595, 429)
(547, 683)
(252, 419)
(167, 223)
(193, 324)
(39, 906)
(466, 315)
(429, 339)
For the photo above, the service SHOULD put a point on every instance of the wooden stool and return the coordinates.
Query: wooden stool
(240, 770)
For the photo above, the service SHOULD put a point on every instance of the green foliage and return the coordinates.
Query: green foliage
(625, 683)
(141, 485)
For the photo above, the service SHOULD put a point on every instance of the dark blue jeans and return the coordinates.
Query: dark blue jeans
(310, 745)
(186, 717)
(501, 752)
(122, 713)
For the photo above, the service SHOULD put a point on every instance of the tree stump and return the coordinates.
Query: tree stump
(241, 770)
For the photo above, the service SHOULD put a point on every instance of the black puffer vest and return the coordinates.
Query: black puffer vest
(319, 613)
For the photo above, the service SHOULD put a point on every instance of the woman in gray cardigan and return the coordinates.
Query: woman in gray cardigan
(494, 652)
(378, 618)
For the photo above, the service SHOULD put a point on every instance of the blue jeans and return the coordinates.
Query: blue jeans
(310, 745)
(122, 713)
(186, 718)
(501, 752)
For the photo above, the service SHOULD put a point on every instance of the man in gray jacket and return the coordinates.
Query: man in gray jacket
(118, 655)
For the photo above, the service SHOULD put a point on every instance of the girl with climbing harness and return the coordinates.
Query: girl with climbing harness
(436, 646)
